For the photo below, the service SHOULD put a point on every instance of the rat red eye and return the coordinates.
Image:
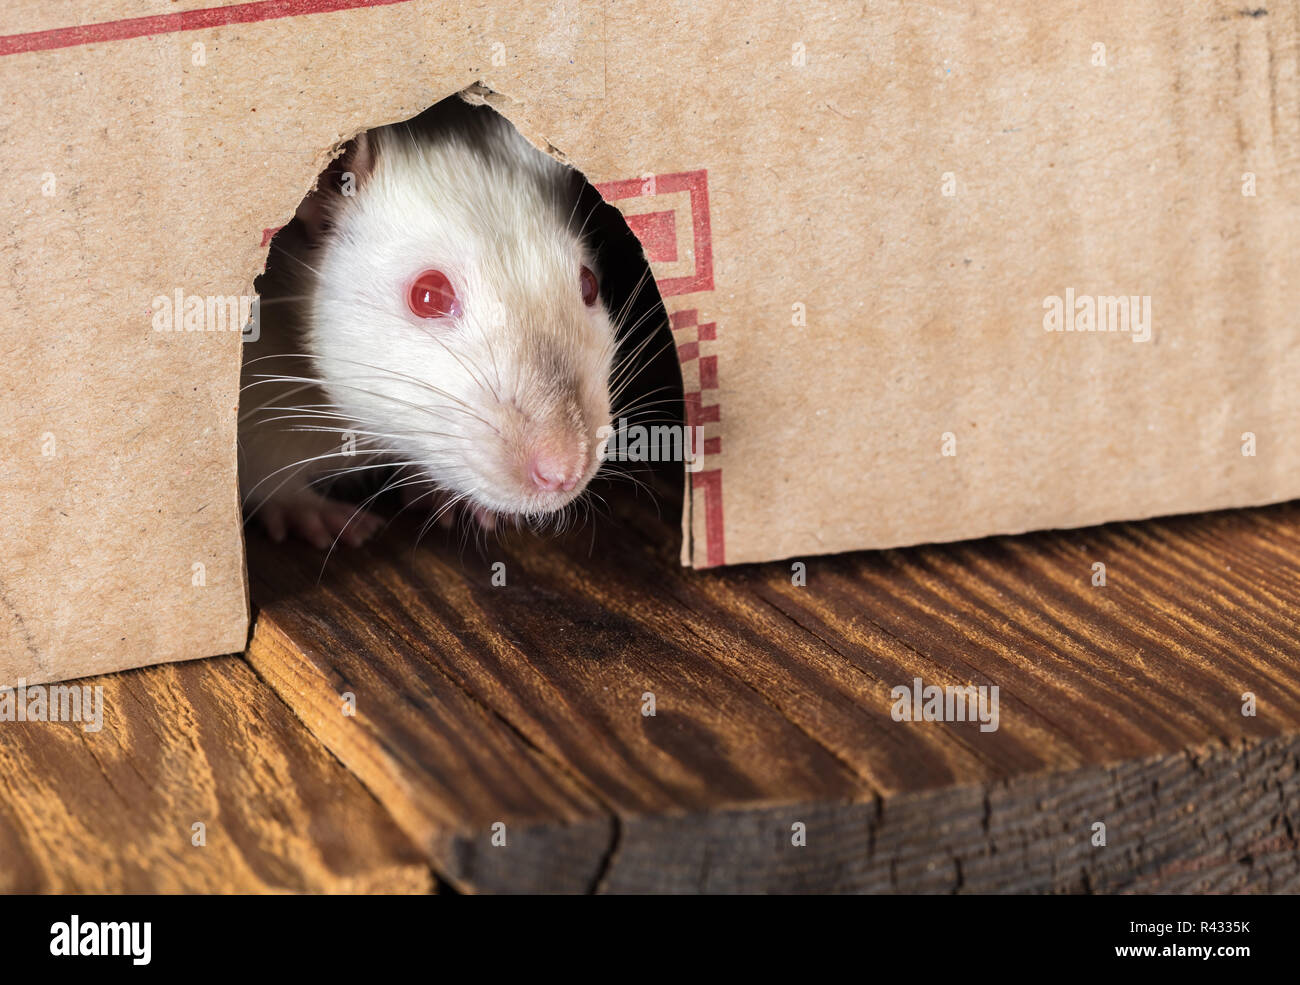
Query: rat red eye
(432, 296)
(590, 288)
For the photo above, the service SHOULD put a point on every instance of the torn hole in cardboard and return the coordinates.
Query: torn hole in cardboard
(645, 385)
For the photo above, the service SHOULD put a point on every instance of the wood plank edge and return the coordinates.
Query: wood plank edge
(565, 857)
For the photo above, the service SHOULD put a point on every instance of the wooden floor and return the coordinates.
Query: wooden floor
(515, 713)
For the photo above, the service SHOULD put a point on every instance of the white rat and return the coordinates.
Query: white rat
(434, 308)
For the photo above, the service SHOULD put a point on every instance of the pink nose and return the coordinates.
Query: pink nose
(558, 463)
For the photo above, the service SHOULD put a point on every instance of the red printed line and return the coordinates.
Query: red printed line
(654, 230)
(711, 483)
(698, 412)
(708, 372)
(683, 319)
(182, 20)
(657, 233)
(696, 183)
(708, 413)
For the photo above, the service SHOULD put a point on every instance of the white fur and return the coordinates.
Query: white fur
(460, 401)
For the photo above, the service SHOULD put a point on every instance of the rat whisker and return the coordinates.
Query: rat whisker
(644, 401)
(295, 258)
(370, 393)
(621, 384)
(625, 308)
(590, 212)
(389, 435)
(323, 411)
(623, 333)
(311, 460)
(355, 513)
(386, 374)
(639, 348)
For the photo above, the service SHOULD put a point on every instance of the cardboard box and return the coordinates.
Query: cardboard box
(859, 219)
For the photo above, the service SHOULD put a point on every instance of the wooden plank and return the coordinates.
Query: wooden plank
(444, 766)
(773, 698)
(202, 742)
(429, 646)
(1216, 819)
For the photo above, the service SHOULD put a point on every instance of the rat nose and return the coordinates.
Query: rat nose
(558, 462)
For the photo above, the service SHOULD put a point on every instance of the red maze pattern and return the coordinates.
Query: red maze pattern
(658, 232)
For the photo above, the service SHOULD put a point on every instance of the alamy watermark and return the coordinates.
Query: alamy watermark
(950, 703)
(1100, 313)
(53, 703)
(183, 312)
(102, 938)
(653, 443)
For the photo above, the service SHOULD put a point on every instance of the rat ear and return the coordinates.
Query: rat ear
(342, 179)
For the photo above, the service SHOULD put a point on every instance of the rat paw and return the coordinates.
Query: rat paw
(318, 520)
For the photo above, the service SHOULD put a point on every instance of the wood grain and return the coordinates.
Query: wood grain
(1211, 820)
(202, 742)
(1119, 704)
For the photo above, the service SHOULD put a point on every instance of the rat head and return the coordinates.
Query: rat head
(456, 314)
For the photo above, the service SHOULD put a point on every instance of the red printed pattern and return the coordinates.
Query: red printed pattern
(657, 231)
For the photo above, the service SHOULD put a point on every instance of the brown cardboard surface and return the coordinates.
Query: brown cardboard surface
(775, 157)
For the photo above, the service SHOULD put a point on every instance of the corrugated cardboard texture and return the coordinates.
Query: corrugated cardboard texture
(842, 319)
